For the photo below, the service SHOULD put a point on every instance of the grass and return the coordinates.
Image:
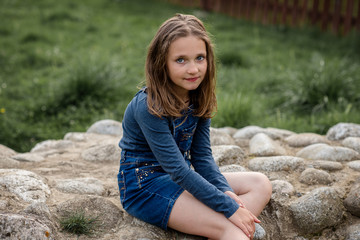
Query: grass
(80, 224)
(65, 65)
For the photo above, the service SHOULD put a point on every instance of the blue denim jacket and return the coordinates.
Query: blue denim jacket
(144, 132)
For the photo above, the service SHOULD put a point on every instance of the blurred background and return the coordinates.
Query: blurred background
(67, 64)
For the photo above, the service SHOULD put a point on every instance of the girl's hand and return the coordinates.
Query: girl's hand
(243, 218)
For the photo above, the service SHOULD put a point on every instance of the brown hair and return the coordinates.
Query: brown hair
(162, 99)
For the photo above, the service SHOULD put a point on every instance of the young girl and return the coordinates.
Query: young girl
(167, 175)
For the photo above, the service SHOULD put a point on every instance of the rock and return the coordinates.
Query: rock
(305, 139)
(263, 145)
(227, 154)
(248, 132)
(7, 162)
(282, 133)
(28, 157)
(312, 176)
(218, 137)
(232, 168)
(106, 212)
(25, 184)
(51, 145)
(15, 226)
(103, 153)
(322, 151)
(229, 130)
(6, 152)
(353, 232)
(327, 165)
(354, 165)
(352, 142)
(38, 208)
(281, 187)
(259, 232)
(80, 186)
(278, 163)
(106, 126)
(343, 130)
(317, 210)
(352, 201)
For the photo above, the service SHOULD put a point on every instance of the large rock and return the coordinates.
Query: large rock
(28, 157)
(15, 226)
(312, 176)
(274, 164)
(343, 130)
(322, 151)
(227, 154)
(25, 184)
(305, 139)
(319, 209)
(6, 152)
(103, 153)
(7, 162)
(352, 201)
(218, 137)
(52, 145)
(106, 126)
(352, 142)
(80, 186)
(262, 145)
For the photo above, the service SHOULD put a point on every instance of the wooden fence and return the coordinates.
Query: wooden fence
(337, 16)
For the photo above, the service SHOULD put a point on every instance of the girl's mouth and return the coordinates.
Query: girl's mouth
(192, 79)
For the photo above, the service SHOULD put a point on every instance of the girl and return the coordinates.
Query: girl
(167, 130)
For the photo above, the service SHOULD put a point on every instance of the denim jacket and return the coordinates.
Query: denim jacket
(144, 132)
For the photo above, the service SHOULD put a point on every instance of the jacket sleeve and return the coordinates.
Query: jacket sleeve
(202, 159)
(161, 142)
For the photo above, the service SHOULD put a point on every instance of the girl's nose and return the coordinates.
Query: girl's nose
(192, 69)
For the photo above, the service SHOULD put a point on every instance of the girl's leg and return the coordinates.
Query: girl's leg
(191, 216)
(253, 188)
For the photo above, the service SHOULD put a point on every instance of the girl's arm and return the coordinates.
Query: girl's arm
(202, 159)
(158, 135)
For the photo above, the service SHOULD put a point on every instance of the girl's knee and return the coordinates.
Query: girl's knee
(263, 184)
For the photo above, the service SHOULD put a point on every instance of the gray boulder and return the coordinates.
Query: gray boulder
(274, 164)
(343, 130)
(106, 126)
(227, 154)
(102, 153)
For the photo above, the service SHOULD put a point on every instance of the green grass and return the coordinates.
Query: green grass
(65, 65)
(80, 224)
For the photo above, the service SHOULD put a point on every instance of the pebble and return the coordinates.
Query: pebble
(305, 139)
(354, 165)
(327, 165)
(322, 151)
(262, 145)
(273, 164)
(352, 142)
(312, 176)
(282, 187)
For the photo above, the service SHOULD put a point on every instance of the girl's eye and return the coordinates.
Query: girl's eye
(180, 60)
(200, 58)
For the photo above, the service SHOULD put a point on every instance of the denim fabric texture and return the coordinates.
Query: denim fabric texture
(156, 159)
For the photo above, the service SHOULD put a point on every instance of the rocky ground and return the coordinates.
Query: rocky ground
(316, 183)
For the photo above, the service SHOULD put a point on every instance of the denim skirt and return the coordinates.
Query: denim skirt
(146, 190)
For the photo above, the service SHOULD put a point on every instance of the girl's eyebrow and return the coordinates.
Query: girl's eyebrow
(185, 56)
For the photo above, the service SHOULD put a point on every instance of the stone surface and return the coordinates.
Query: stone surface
(352, 142)
(322, 151)
(7, 162)
(232, 168)
(28, 157)
(227, 154)
(312, 176)
(327, 165)
(80, 186)
(262, 145)
(343, 130)
(51, 145)
(103, 153)
(282, 187)
(273, 164)
(106, 126)
(354, 165)
(352, 201)
(353, 232)
(317, 210)
(25, 184)
(15, 226)
(218, 137)
(6, 152)
(305, 139)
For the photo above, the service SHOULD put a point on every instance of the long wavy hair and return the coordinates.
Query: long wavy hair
(162, 98)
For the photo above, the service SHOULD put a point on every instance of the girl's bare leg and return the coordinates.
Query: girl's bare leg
(193, 217)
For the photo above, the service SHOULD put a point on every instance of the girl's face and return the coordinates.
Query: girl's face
(186, 64)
